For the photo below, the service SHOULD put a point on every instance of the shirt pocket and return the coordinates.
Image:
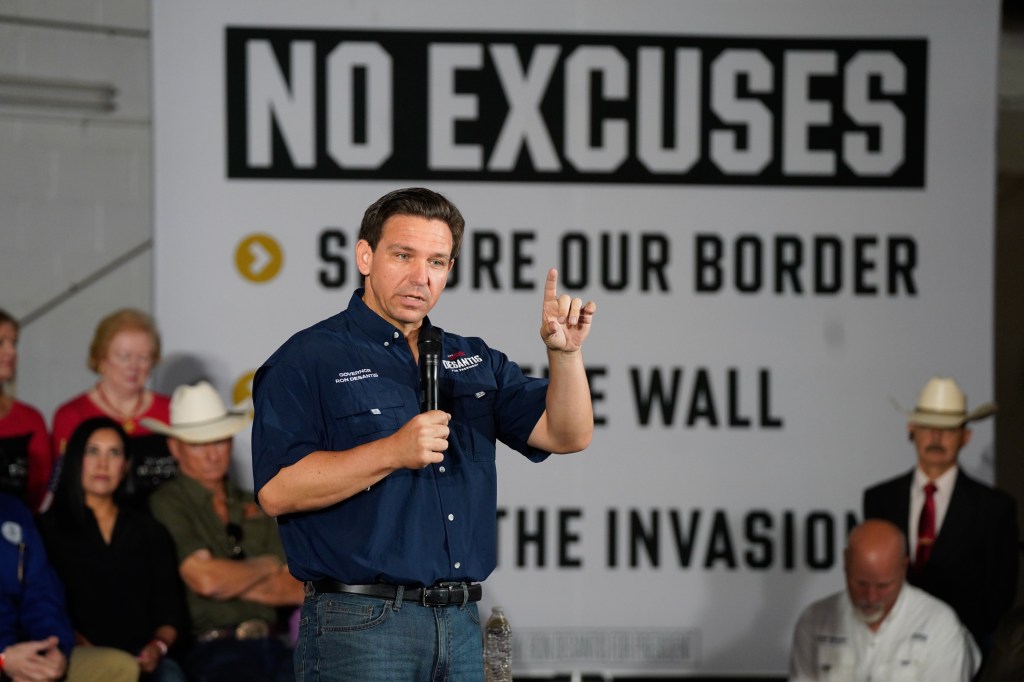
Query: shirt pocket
(908, 663)
(473, 417)
(836, 662)
(364, 417)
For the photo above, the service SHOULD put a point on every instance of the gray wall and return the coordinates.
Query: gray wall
(75, 184)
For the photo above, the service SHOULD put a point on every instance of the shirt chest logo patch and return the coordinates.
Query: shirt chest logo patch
(356, 375)
(460, 362)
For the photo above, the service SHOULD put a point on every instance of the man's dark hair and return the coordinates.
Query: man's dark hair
(412, 201)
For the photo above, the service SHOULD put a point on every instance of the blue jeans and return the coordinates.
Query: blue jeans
(357, 638)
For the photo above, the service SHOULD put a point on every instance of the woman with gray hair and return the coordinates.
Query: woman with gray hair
(124, 349)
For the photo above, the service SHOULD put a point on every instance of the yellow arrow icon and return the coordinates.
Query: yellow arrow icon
(259, 258)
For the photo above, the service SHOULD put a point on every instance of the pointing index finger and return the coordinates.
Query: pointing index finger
(551, 285)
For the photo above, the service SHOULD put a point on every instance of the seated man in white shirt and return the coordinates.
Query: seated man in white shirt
(880, 628)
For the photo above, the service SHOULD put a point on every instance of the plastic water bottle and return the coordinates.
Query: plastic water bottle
(497, 647)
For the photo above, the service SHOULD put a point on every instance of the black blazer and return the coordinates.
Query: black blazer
(973, 564)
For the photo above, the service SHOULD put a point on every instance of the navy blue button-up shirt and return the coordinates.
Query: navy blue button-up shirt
(352, 379)
(31, 596)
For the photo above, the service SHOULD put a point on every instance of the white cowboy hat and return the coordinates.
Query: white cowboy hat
(198, 415)
(943, 405)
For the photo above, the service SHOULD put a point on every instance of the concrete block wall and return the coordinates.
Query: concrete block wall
(75, 185)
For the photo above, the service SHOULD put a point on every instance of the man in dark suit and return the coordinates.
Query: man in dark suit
(962, 534)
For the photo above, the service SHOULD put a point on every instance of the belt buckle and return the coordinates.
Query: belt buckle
(210, 636)
(444, 594)
(254, 628)
(434, 596)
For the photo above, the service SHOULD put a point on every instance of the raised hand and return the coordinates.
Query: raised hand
(565, 321)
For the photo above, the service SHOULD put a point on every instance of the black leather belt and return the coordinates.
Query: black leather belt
(442, 594)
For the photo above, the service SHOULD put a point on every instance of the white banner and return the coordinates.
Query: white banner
(784, 210)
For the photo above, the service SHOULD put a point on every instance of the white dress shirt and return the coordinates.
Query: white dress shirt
(920, 640)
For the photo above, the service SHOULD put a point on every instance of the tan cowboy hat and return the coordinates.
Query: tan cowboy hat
(198, 415)
(943, 405)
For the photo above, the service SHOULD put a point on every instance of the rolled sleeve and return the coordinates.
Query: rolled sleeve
(285, 429)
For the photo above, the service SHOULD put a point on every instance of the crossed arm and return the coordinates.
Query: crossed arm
(263, 579)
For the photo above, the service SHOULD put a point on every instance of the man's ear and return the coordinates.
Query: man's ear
(364, 257)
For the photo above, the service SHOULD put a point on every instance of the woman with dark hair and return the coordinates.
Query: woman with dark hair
(25, 459)
(117, 564)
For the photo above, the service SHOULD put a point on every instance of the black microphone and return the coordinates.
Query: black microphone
(429, 345)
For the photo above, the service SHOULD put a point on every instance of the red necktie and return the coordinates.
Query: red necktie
(926, 528)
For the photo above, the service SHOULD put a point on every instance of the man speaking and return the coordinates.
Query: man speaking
(387, 512)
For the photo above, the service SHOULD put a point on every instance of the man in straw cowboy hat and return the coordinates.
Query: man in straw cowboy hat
(229, 552)
(962, 534)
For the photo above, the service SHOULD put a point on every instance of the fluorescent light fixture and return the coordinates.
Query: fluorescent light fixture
(58, 94)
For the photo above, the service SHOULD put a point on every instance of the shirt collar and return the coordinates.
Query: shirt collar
(199, 493)
(944, 482)
(373, 325)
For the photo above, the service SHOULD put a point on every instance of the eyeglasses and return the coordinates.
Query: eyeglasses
(125, 359)
(235, 550)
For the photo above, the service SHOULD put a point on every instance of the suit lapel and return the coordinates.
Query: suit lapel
(896, 498)
(901, 502)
